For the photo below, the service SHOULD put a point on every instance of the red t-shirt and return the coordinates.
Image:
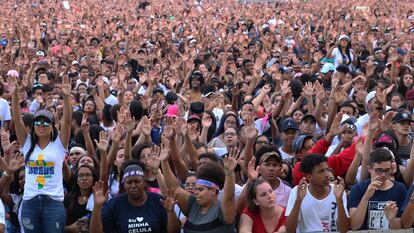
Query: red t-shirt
(258, 225)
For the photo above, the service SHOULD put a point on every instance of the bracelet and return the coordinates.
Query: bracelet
(6, 174)
(230, 173)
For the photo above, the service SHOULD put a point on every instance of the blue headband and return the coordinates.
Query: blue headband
(207, 184)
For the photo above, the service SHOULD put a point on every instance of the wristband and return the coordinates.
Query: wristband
(6, 174)
(230, 173)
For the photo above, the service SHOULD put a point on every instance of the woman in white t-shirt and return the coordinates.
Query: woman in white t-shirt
(44, 150)
(342, 54)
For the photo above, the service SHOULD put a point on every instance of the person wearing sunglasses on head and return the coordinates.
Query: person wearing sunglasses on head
(44, 150)
(375, 204)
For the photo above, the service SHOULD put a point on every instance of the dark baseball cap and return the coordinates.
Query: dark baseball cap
(402, 116)
(289, 123)
(299, 141)
(309, 117)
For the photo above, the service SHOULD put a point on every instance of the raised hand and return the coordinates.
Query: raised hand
(117, 134)
(252, 171)
(230, 162)
(102, 144)
(85, 124)
(339, 188)
(5, 140)
(308, 90)
(129, 122)
(99, 196)
(336, 125)
(66, 86)
(164, 151)
(250, 129)
(169, 128)
(302, 189)
(169, 200)
(286, 91)
(206, 122)
(374, 122)
(16, 161)
(146, 126)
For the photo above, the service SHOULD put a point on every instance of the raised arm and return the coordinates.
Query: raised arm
(67, 112)
(100, 197)
(179, 164)
(228, 206)
(16, 113)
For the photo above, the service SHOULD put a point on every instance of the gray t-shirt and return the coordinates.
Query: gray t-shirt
(210, 222)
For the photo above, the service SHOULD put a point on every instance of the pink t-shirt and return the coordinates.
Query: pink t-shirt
(282, 194)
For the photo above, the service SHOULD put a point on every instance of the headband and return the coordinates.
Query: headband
(207, 184)
(132, 173)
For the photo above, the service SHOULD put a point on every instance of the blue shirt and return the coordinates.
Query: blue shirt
(374, 217)
(119, 216)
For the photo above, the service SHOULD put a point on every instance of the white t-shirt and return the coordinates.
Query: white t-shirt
(284, 155)
(316, 215)
(44, 170)
(5, 114)
(111, 100)
(2, 215)
(338, 59)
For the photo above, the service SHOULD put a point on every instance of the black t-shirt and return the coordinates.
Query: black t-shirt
(119, 216)
(79, 211)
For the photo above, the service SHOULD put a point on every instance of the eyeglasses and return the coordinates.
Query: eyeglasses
(379, 171)
(42, 122)
(84, 176)
(229, 134)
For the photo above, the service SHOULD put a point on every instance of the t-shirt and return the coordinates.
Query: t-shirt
(316, 215)
(44, 170)
(339, 59)
(404, 151)
(111, 100)
(282, 194)
(119, 216)
(374, 217)
(407, 199)
(2, 214)
(5, 114)
(258, 225)
(210, 222)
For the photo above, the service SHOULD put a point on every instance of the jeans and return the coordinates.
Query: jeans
(43, 214)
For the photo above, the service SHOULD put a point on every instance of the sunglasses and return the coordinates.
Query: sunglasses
(42, 122)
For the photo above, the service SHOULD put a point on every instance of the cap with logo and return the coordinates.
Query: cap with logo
(289, 123)
(402, 116)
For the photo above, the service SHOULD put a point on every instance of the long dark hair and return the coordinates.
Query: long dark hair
(212, 129)
(347, 51)
(220, 129)
(33, 140)
(75, 192)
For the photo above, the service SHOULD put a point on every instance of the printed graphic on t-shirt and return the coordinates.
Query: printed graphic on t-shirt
(376, 217)
(43, 169)
(138, 224)
(328, 223)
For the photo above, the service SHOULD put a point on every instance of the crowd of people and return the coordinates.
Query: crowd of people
(206, 116)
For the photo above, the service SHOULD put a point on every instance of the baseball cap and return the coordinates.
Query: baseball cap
(309, 117)
(158, 89)
(272, 154)
(344, 37)
(13, 73)
(409, 95)
(327, 67)
(171, 97)
(402, 116)
(289, 123)
(370, 96)
(45, 113)
(298, 142)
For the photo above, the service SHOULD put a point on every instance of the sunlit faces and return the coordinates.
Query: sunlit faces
(86, 160)
(42, 127)
(119, 159)
(85, 178)
(270, 169)
(298, 115)
(190, 184)
(265, 197)
(230, 137)
(204, 195)
(134, 186)
(382, 170)
(144, 156)
(407, 80)
(320, 175)
(89, 106)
